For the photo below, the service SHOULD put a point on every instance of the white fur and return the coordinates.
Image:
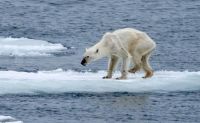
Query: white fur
(127, 44)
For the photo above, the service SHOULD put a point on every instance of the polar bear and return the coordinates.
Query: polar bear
(127, 44)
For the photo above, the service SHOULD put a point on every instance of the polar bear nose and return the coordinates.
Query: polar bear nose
(83, 62)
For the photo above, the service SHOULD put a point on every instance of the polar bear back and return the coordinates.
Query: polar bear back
(127, 34)
(132, 39)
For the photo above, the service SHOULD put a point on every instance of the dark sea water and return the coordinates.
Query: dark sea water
(77, 24)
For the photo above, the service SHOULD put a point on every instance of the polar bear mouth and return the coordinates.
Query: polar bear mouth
(84, 62)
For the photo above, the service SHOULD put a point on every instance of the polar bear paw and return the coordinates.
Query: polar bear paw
(134, 70)
(121, 78)
(107, 77)
(148, 74)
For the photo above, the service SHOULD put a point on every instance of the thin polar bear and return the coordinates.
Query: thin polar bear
(129, 45)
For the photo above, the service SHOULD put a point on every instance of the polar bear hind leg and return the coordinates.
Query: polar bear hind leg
(140, 59)
(146, 66)
(136, 58)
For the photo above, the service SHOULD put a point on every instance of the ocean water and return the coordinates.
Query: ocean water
(42, 80)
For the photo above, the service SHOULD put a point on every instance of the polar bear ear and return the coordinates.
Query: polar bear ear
(86, 49)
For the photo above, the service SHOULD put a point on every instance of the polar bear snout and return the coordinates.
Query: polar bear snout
(84, 62)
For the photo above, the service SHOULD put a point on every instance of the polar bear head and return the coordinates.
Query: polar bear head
(99, 50)
(90, 55)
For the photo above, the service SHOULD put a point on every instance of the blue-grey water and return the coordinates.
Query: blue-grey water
(77, 24)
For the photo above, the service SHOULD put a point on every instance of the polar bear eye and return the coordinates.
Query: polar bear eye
(97, 50)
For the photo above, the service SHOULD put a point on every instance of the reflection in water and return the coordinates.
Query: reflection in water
(136, 101)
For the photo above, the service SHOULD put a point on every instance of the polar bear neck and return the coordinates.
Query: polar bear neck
(104, 51)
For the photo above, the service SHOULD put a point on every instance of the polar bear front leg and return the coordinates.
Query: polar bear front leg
(111, 66)
(124, 69)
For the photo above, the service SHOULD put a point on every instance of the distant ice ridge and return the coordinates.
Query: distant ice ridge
(27, 47)
(8, 119)
(59, 81)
